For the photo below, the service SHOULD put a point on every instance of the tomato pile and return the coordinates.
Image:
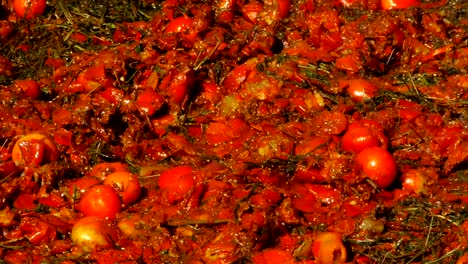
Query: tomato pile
(224, 131)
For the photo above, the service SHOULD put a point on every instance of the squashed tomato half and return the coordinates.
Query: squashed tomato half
(100, 200)
(126, 184)
(34, 150)
(177, 182)
(30, 8)
(328, 248)
(359, 138)
(379, 165)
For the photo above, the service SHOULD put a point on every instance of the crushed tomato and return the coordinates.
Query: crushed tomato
(222, 131)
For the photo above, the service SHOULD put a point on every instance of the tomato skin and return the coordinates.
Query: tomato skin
(415, 181)
(126, 184)
(149, 101)
(361, 90)
(101, 201)
(177, 25)
(359, 138)
(29, 8)
(101, 170)
(93, 232)
(398, 4)
(328, 248)
(77, 188)
(177, 182)
(28, 88)
(379, 165)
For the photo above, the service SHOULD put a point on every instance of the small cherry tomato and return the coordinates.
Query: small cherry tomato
(93, 232)
(101, 201)
(398, 4)
(177, 183)
(34, 150)
(29, 8)
(379, 165)
(126, 184)
(328, 248)
(359, 138)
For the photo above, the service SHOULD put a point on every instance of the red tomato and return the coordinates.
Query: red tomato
(101, 201)
(126, 184)
(177, 182)
(178, 25)
(273, 256)
(29, 8)
(379, 165)
(28, 88)
(33, 150)
(149, 101)
(92, 232)
(398, 4)
(361, 90)
(328, 248)
(357, 139)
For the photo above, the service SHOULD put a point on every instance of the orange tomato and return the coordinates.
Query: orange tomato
(29, 8)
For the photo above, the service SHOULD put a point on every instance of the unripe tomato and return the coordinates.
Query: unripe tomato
(379, 165)
(126, 184)
(101, 201)
(328, 248)
(29, 8)
(34, 150)
(359, 138)
(398, 4)
(93, 232)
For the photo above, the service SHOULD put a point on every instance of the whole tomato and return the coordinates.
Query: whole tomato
(328, 248)
(101, 201)
(29, 8)
(126, 184)
(379, 165)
